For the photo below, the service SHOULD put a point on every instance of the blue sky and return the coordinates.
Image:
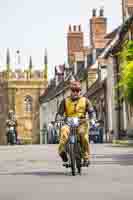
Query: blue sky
(33, 25)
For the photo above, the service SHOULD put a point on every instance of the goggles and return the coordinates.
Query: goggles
(75, 90)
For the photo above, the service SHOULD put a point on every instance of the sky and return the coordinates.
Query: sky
(33, 25)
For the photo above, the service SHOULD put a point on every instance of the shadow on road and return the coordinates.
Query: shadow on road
(114, 159)
(124, 163)
(39, 173)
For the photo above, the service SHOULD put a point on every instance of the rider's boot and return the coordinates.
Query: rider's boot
(64, 158)
(86, 163)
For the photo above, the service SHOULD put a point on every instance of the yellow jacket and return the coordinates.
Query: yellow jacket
(77, 108)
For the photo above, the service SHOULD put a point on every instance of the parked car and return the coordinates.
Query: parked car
(94, 135)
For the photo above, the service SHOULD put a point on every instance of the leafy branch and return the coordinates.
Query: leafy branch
(126, 76)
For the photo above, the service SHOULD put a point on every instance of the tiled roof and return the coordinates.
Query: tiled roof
(53, 91)
(112, 34)
(117, 40)
(123, 30)
(59, 69)
(48, 93)
(81, 74)
(97, 85)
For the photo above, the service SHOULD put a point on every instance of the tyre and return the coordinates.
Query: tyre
(13, 138)
(72, 158)
(78, 157)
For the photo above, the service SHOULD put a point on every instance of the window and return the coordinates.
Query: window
(130, 10)
(99, 51)
(28, 104)
(89, 59)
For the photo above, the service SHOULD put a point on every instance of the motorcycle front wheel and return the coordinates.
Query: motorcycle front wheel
(72, 158)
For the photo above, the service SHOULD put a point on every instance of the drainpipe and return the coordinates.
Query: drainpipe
(105, 113)
(118, 97)
(86, 67)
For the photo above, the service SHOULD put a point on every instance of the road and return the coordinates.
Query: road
(35, 172)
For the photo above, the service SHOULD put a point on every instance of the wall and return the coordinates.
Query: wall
(3, 111)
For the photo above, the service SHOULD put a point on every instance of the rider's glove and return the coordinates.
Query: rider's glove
(93, 123)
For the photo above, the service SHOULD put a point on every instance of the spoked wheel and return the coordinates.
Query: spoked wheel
(78, 157)
(72, 159)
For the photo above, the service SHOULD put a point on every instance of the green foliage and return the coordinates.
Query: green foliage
(127, 53)
(126, 82)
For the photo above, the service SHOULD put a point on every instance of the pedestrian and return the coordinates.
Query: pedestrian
(11, 128)
(101, 131)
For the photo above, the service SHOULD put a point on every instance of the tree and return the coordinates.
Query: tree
(126, 80)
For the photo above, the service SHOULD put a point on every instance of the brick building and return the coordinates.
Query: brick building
(127, 8)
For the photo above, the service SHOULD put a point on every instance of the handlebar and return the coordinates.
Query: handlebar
(65, 118)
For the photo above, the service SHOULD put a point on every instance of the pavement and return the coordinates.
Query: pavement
(35, 172)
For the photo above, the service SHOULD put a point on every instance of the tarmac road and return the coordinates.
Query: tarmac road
(35, 172)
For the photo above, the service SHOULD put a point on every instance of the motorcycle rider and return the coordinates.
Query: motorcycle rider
(11, 124)
(76, 105)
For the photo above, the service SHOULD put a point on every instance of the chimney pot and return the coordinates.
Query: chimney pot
(94, 12)
(79, 28)
(101, 12)
(74, 27)
(70, 28)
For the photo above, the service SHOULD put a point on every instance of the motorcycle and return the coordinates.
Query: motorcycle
(94, 133)
(73, 146)
(11, 135)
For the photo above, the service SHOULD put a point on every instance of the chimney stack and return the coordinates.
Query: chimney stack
(75, 42)
(98, 29)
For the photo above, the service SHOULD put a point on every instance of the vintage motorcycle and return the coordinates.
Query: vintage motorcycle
(11, 134)
(73, 146)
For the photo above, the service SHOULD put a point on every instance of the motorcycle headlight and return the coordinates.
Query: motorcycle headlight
(73, 121)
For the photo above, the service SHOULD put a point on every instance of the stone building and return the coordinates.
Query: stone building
(20, 91)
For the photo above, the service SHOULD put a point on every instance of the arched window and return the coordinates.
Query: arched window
(28, 104)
